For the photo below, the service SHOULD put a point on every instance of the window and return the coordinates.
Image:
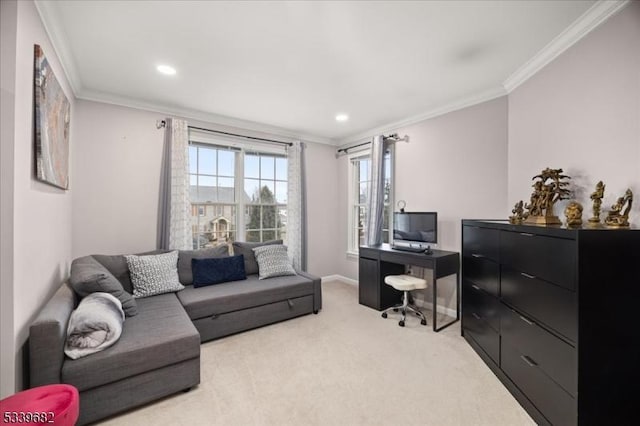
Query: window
(225, 181)
(358, 192)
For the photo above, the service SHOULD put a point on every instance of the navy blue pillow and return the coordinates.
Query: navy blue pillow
(217, 270)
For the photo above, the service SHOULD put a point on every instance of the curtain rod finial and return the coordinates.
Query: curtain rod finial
(160, 124)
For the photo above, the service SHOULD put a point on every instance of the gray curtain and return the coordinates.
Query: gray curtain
(164, 206)
(375, 199)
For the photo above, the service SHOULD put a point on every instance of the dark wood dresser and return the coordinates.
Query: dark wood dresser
(552, 311)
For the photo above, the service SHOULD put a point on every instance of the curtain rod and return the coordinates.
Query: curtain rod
(163, 123)
(354, 146)
(393, 138)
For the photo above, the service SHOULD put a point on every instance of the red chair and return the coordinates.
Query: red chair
(47, 405)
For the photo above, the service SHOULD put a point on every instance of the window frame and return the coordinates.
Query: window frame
(241, 206)
(353, 192)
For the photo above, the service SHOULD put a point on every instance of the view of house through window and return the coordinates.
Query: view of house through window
(226, 181)
(359, 165)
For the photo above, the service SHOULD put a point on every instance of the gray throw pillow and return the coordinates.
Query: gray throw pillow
(117, 265)
(184, 260)
(273, 261)
(90, 276)
(151, 275)
(246, 249)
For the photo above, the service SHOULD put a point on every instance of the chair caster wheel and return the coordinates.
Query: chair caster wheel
(401, 323)
(417, 314)
(384, 315)
(395, 309)
(423, 322)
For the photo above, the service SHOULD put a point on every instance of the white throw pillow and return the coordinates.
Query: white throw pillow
(273, 261)
(156, 274)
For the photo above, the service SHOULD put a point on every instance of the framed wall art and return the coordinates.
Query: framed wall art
(52, 118)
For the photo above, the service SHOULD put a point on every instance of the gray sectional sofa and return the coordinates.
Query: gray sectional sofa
(158, 352)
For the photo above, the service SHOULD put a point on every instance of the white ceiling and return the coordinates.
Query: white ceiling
(295, 65)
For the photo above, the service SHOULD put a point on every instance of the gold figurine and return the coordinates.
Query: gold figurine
(573, 213)
(546, 191)
(518, 214)
(597, 197)
(619, 214)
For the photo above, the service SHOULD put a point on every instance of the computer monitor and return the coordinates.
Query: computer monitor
(416, 230)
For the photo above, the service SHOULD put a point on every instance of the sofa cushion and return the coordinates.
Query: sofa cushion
(185, 256)
(153, 275)
(90, 276)
(246, 249)
(160, 335)
(235, 295)
(273, 261)
(217, 270)
(117, 265)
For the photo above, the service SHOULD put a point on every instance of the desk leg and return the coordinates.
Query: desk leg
(435, 303)
(457, 304)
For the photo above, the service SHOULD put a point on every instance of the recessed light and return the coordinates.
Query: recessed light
(342, 117)
(166, 69)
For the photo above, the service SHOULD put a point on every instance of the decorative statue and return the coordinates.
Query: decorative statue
(547, 190)
(573, 213)
(597, 196)
(518, 214)
(619, 214)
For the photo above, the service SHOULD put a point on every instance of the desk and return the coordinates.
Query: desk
(379, 261)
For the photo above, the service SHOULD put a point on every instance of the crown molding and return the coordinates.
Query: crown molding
(57, 36)
(205, 117)
(478, 98)
(588, 21)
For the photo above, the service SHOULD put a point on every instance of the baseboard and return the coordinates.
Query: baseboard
(341, 278)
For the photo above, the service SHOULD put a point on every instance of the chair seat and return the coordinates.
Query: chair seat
(405, 282)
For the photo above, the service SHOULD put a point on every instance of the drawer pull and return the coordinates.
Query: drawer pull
(290, 303)
(475, 287)
(476, 316)
(526, 234)
(528, 360)
(214, 316)
(527, 275)
(526, 320)
(476, 255)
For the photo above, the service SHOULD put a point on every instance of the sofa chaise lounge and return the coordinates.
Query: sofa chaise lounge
(158, 353)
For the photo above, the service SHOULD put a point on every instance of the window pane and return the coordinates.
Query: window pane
(267, 167)
(253, 217)
(193, 180)
(193, 159)
(226, 190)
(282, 234)
(252, 236)
(361, 216)
(363, 193)
(268, 216)
(226, 163)
(387, 190)
(251, 166)
(251, 191)
(281, 192)
(364, 170)
(281, 168)
(268, 235)
(207, 161)
(267, 189)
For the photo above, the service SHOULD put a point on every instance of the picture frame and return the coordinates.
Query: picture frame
(51, 124)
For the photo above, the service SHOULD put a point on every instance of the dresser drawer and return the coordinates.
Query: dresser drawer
(481, 304)
(550, 355)
(551, 400)
(554, 306)
(481, 242)
(480, 330)
(483, 272)
(549, 258)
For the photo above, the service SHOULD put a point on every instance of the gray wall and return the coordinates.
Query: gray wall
(582, 113)
(36, 217)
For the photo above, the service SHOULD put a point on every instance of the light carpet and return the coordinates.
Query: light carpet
(344, 366)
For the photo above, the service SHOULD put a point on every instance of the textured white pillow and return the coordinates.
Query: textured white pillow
(273, 261)
(156, 274)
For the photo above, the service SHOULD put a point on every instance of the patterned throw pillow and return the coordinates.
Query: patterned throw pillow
(273, 261)
(153, 275)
